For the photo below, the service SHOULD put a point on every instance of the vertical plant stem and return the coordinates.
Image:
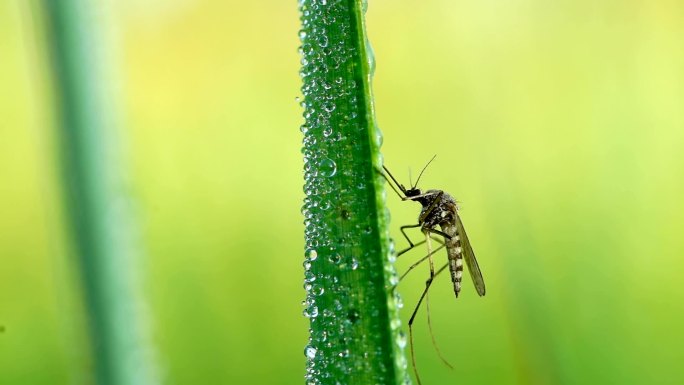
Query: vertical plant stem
(349, 278)
(96, 209)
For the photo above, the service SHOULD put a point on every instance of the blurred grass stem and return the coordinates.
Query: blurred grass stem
(95, 206)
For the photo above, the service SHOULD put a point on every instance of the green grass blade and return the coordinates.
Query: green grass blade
(95, 206)
(354, 324)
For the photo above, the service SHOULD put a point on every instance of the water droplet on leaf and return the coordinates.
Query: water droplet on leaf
(327, 167)
(310, 352)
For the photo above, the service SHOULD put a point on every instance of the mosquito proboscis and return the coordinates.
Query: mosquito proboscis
(439, 210)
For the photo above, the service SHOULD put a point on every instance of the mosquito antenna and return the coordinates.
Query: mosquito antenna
(421, 171)
(399, 185)
(410, 182)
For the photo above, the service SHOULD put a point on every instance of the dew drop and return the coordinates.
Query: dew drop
(335, 258)
(401, 339)
(378, 138)
(310, 352)
(329, 106)
(311, 312)
(311, 254)
(317, 289)
(309, 276)
(325, 205)
(327, 167)
(392, 251)
(323, 41)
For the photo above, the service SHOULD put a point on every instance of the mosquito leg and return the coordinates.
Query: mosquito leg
(413, 316)
(392, 185)
(409, 248)
(420, 260)
(391, 176)
(432, 334)
(441, 242)
(412, 245)
(437, 240)
(442, 245)
(429, 247)
(443, 234)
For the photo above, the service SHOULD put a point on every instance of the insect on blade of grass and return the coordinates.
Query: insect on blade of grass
(439, 209)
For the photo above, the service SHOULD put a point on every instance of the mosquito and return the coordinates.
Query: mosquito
(439, 210)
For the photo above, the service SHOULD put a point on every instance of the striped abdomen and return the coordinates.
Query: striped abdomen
(455, 254)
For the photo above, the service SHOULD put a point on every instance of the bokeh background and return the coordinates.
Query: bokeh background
(558, 125)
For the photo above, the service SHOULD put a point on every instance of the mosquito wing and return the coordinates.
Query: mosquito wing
(469, 256)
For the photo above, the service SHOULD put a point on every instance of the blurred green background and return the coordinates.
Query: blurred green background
(558, 125)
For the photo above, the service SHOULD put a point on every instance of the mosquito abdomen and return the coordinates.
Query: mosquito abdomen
(455, 254)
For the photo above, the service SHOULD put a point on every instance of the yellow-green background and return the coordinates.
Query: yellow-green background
(559, 125)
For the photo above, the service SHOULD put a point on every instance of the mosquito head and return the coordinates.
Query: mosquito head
(408, 192)
(413, 191)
